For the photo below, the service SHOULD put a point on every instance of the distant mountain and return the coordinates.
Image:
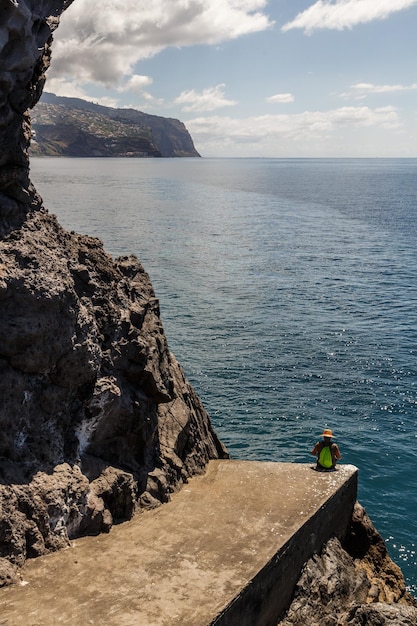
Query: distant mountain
(74, 127)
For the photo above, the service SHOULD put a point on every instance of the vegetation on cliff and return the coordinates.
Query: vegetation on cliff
(76, 128)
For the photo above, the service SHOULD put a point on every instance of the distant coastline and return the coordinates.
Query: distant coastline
(76, 128)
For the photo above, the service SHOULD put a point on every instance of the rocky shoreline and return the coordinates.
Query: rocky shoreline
(97, 417)
(354, 582)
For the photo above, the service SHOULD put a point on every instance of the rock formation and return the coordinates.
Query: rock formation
(354, 584)
(25, 48)
(97, 418)
(74, 127)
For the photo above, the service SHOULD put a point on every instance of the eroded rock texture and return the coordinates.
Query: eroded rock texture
(26, 28)
(96, 416)
(355, 584)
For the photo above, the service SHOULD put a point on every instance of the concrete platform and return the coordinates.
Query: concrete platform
(227, 550)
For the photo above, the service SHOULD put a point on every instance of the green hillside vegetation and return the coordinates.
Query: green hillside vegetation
(62, 132)
(74, 127)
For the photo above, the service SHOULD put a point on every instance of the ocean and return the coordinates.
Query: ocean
(288, 291)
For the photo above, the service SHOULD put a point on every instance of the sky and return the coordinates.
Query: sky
(252, 78)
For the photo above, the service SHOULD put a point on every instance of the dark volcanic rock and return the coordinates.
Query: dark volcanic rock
(87, 382)
(97, 418)
(25, 46)
(355, 584)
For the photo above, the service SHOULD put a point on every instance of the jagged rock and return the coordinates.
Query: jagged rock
(368, 549)
(382, 615)
(25, 48)
(97, 418)
(8, 572)
(353, 585)
(87, 379)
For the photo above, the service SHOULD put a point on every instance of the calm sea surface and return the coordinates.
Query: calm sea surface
(288, 291)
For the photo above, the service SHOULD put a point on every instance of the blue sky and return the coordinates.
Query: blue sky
(252, 78)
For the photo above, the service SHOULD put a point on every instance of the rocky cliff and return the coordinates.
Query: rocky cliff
(74, 127)
(97, 418)
(354, 583)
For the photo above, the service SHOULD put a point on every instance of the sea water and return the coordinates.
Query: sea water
(288, 292)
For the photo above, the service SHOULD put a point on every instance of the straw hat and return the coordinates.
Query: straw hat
(327, 433)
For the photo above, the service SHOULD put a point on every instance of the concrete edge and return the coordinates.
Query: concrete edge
(268, 595)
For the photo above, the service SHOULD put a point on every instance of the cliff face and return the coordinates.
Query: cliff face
(25, 48)
(352, 584)
(58, 131)
(74, 127)
(97, 418)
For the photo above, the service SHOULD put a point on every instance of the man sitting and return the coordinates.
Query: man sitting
(327, 452)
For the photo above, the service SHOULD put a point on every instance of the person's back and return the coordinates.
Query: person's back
(327, 452)
(325, 457)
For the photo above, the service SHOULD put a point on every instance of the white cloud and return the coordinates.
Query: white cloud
(63, 87)
(359, 91)
(280, 98)
(102, 46)
(209, 99)
(370, 88)
(271, 134)
(68, 89)
(341, 14)
(136, 83)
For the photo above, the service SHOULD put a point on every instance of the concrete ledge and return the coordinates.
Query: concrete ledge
(227, 550)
